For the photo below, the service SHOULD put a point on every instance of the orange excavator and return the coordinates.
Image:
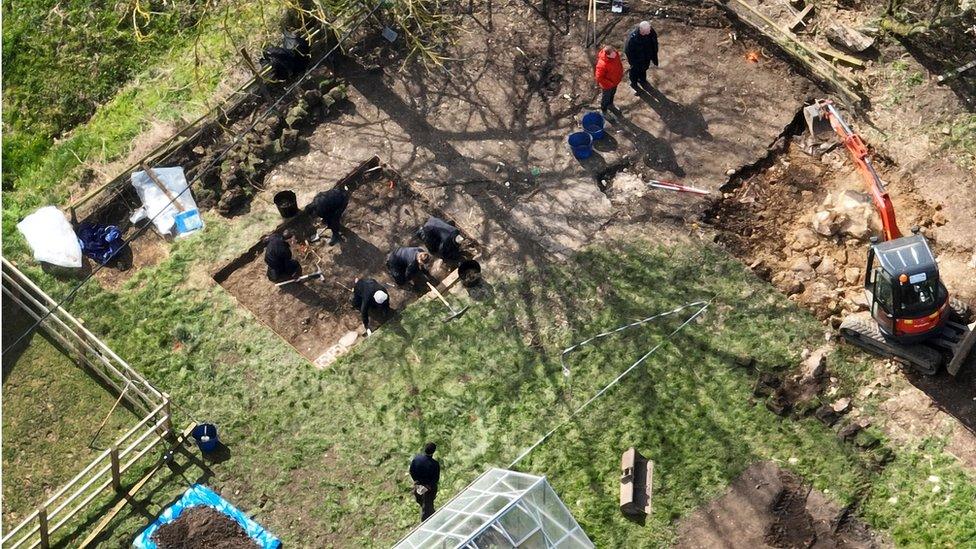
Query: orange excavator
(912, 317)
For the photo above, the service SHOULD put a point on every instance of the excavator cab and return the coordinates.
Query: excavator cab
(906, 296)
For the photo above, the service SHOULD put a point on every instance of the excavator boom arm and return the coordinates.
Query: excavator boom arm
(865, 168)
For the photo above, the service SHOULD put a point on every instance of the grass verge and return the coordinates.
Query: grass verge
(320, 456)
(180, 85)
(51, 411)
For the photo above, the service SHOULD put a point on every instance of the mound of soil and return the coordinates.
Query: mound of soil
(771, 507)
(203, 528)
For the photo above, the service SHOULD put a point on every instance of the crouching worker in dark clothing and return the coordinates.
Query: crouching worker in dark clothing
(277, 255)
(330, 205)
(441, 238)
(426, 473)
(405, 263)
(369, 294)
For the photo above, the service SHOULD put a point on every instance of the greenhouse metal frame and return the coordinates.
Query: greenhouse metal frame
(501, 509)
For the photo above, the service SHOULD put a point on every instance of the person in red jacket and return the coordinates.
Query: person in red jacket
(609, 72)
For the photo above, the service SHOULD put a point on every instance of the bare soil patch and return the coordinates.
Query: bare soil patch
(203, 527)
(771, 507)
(768, 221)
(315, 316)
(494, 156)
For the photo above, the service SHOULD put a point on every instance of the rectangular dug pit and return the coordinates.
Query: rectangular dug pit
(316, 316)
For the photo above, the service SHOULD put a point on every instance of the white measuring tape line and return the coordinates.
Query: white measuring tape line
(702, 306)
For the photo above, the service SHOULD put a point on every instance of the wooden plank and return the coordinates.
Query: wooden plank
(842, 57)
(107, 518)
(844, 84)
(162, 187)
(42, 522)
(956, 72)
(800, 17)
(116, 471)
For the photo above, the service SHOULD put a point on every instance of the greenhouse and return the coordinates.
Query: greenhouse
(504, 509)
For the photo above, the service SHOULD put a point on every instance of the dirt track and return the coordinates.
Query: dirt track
(771, 507)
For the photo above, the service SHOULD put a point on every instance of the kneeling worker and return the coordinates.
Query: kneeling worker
(369, 294)
(329, 205)
(277, 254)
(441, 238)
(405, 263)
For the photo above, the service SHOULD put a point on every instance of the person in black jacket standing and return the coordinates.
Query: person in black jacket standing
(426, 473)
(370, 294)
(641, 50)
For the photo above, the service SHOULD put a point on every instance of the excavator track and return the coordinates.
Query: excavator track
(863, 331)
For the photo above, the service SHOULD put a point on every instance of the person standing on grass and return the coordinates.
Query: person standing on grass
(426, 473)
(609, 72)
(641, 50)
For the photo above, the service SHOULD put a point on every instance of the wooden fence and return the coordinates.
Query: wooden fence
(134, 447)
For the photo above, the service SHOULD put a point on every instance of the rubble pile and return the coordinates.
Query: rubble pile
(799, 226)
(240, 174)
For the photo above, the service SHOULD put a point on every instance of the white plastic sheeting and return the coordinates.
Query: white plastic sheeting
(51, 237)
(155, 201)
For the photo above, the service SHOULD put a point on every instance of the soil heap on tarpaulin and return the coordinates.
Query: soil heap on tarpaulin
(203, 527)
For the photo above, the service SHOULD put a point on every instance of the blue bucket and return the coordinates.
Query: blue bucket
(206, 436)
(582, 144)
(593, 124)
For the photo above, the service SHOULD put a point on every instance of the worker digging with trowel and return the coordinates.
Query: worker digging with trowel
(405, 263)
(367, 295)
(330, 205)
(277, 254)
(441, 238)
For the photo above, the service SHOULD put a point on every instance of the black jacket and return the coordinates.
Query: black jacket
(425, 470)
(329, 205)
(277, 254)
(402, 264)
(362, 297)
(641, 49)
(440, 238)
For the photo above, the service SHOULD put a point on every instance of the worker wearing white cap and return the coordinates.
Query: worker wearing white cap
(370, 294)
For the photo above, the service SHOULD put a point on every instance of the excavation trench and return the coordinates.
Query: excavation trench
(800, 218)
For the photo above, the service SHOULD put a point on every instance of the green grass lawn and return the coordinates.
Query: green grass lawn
(178, 85)
(320, 456)
(64, 58)
(51, 411)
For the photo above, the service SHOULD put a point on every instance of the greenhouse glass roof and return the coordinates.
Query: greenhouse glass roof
(501, 509)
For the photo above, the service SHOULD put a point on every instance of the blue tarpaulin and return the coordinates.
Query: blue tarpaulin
(201, 495)
(100, 242)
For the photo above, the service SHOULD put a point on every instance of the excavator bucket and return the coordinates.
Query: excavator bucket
(817, 124)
